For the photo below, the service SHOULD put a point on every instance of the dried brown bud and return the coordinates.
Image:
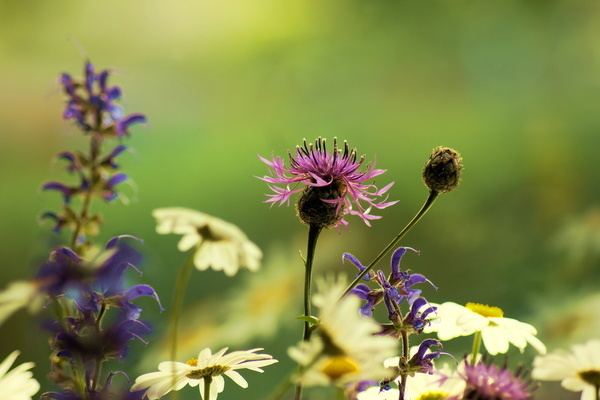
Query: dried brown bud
(441, 172)
(312, 210)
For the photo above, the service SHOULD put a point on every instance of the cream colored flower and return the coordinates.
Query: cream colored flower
(344, 348)
(19, 383)
(444, 383)
(497, 332)
(17, 295)
(174, 375)
(220, 245)
(578, 370)
(376, 393)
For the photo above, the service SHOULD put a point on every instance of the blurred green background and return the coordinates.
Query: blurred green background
(514, 86)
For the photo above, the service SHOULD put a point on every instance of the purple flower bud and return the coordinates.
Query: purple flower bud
(123, 124)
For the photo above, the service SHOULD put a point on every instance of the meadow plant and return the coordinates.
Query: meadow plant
(372, 334)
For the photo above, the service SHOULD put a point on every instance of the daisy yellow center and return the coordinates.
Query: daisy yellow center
(338, 366)
(433, 396)
(485, 310)
(591, 376)
(213, 370)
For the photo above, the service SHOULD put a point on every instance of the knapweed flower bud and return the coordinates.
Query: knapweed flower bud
(318, 205)
(441, 173)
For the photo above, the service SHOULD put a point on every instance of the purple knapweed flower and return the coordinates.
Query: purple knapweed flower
(331, 184)
(490, 382)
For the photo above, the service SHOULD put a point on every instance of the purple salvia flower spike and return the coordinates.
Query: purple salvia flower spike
(102, 79)
(112, 242)
(395, 262)
(89, 77)
(142, 290)
(132, 119)
(365, 293)
(356, 263)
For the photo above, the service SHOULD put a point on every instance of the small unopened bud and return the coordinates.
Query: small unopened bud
(441, 172)
(313, 210)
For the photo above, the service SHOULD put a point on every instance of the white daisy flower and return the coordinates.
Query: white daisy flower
(17, 295)
(578, 370)
(376, 393)
(220, 245)
(443, 383)
(344, 348)
(174, 375)
(497, 332)
(19, 383)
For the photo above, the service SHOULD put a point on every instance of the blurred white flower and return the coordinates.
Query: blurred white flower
(443, 383)
(376, 393)
(578, 370)
(497, 332)
(17, 295)
(19, 383)
(220, 245)
(344, 348)
(174, 375)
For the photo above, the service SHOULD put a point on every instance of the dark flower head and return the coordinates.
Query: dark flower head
(331, 184)
(441, 172)
(489, 382)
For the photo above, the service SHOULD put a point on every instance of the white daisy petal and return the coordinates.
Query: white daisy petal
(358, 353)
(497, 332)
(568, 367)
(192, 373)
(237, 378)
(18, 383)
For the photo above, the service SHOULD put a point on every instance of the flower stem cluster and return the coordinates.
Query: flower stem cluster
(392, 289)
(91, 105)
(96, 316)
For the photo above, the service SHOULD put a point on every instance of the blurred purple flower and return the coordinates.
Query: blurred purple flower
(490, 382)
(93, 108)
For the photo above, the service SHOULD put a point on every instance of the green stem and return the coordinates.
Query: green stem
(283, 388)
(99, 361)
(313, 236)
(406, 355)
(180, 286)
(97, 371)
(95, 143)
(426, 206)
(476, 347)
(207, 382)
(339, 394)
